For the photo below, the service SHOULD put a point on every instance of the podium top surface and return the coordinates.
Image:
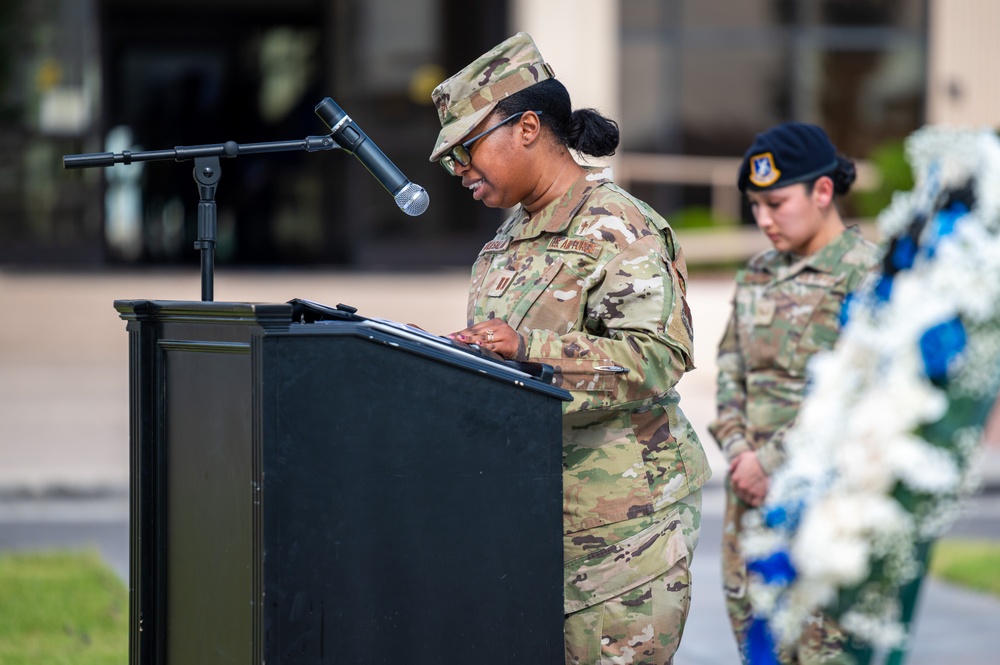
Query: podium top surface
(303, 317)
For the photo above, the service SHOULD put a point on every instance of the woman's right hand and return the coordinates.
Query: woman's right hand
(494, 335)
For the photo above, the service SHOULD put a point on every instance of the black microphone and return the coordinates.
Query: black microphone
(411, 198)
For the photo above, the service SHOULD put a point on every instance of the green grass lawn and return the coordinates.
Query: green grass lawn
(974, 564)
(69, 608)
(61, 608)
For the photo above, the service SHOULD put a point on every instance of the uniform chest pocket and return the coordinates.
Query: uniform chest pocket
(537, 303)
(821, 331)
(788, 322)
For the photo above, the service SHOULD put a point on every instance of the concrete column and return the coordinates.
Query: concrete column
(963, 52)
(581, 40)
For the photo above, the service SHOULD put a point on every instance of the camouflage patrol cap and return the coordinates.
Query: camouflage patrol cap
(466, 98)
(786, 154)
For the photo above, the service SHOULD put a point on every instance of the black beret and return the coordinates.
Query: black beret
(786, 154)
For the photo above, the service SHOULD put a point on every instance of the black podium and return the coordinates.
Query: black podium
(336, 491)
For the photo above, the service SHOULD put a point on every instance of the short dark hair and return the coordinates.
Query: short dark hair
(843, 176)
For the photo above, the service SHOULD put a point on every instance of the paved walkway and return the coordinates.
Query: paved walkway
(64, 420)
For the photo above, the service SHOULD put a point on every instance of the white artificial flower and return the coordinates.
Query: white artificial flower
(923, 467)
(858, 435)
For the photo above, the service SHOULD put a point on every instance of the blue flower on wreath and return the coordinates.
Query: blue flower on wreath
(904, 252)
(785, 516)
(760, 648)
(945, 222)
(774, 569)
(940, 345)
(883, 288)
(845, 309)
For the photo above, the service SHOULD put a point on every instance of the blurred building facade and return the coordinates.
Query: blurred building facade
(690, 82)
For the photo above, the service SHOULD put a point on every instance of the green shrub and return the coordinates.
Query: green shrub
(698, 217)
(897, 176)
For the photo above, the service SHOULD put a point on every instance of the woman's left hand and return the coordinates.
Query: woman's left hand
(748, 479)
(494, 335)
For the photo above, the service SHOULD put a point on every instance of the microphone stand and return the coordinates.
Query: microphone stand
(207, 172)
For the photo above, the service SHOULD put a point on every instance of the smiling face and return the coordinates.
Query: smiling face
(497, 172)
(795, 218)
(518, 163)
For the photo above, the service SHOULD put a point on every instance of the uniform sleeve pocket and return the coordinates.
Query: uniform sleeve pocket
(596, 375)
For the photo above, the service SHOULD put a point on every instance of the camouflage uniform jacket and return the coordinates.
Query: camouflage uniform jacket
(595, 282)
(786, 308)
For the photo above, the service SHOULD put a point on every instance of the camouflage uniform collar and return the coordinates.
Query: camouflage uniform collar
(556, 217)
(827, 259)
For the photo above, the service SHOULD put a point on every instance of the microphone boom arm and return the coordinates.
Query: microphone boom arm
(207, 173)
(183, 153)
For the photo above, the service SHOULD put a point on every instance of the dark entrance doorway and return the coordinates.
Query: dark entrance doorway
(181, 74)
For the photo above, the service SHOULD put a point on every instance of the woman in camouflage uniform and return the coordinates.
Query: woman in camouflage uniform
(787, 307)
(588, 279)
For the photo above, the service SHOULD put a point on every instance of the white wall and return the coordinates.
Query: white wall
(964, 51)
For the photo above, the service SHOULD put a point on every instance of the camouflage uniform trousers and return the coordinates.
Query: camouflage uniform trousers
(643, 625)
(821, 641)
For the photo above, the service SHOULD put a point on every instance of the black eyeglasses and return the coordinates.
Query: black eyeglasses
(460, 153)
